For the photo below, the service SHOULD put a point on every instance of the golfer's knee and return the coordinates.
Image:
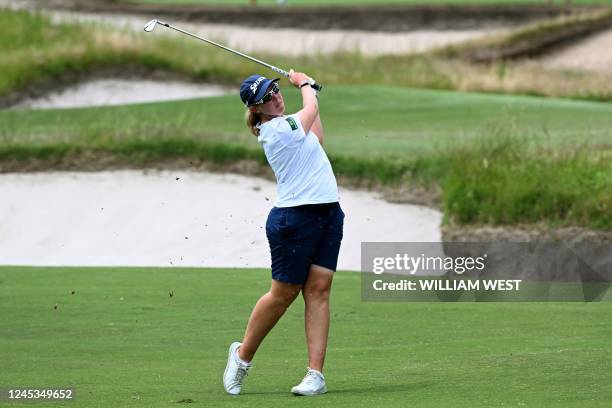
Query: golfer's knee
(283, 298)
(318, 292)
(282, 301)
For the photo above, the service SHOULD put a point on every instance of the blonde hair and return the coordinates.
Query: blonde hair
(252, 119)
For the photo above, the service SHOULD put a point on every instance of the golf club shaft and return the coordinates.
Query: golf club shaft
(265, 64)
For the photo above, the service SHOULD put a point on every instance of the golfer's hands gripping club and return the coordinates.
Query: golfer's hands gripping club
(298, 79)
(310, 106)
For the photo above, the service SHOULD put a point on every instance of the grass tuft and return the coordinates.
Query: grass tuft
(500, 181)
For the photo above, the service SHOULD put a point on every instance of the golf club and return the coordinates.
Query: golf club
(150, 26)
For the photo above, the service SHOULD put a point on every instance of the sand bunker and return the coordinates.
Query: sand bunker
(590, 54)
(168, 218)
(290, 42)
(122, 92)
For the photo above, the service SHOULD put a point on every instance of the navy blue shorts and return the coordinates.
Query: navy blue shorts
(301, 236)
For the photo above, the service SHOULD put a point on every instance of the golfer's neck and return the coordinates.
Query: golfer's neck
(266, 118)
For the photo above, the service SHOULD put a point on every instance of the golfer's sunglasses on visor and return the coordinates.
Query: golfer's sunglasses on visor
(268, 97)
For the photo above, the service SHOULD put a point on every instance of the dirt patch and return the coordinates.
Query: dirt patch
(536, 253)
(400, 193)
(523, 234)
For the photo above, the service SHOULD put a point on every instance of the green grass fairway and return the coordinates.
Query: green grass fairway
(362, 121)
(121, 340)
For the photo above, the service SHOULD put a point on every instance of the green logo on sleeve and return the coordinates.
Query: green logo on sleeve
(292, 123)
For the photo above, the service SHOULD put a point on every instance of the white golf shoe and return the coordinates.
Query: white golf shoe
(235, 371)
(312, 384)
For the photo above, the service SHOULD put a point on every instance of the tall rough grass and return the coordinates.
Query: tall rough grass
(501, 181)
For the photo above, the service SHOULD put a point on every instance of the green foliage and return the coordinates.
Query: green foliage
(500, 181)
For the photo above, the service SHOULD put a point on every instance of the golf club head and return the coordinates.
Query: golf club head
(150, 26)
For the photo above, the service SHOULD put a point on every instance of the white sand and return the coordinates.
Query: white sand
(291, 42)
(594, 53)
(134, 218)
(101, 92)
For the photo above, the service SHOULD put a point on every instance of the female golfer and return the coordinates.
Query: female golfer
(304, 228)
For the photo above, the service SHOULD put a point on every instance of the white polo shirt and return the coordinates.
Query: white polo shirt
(303, 172)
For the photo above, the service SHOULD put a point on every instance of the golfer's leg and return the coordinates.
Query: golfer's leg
(268, 310)
(316, 314)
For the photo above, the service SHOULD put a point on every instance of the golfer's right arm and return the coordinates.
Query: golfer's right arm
(310, 110)
(317, 128)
